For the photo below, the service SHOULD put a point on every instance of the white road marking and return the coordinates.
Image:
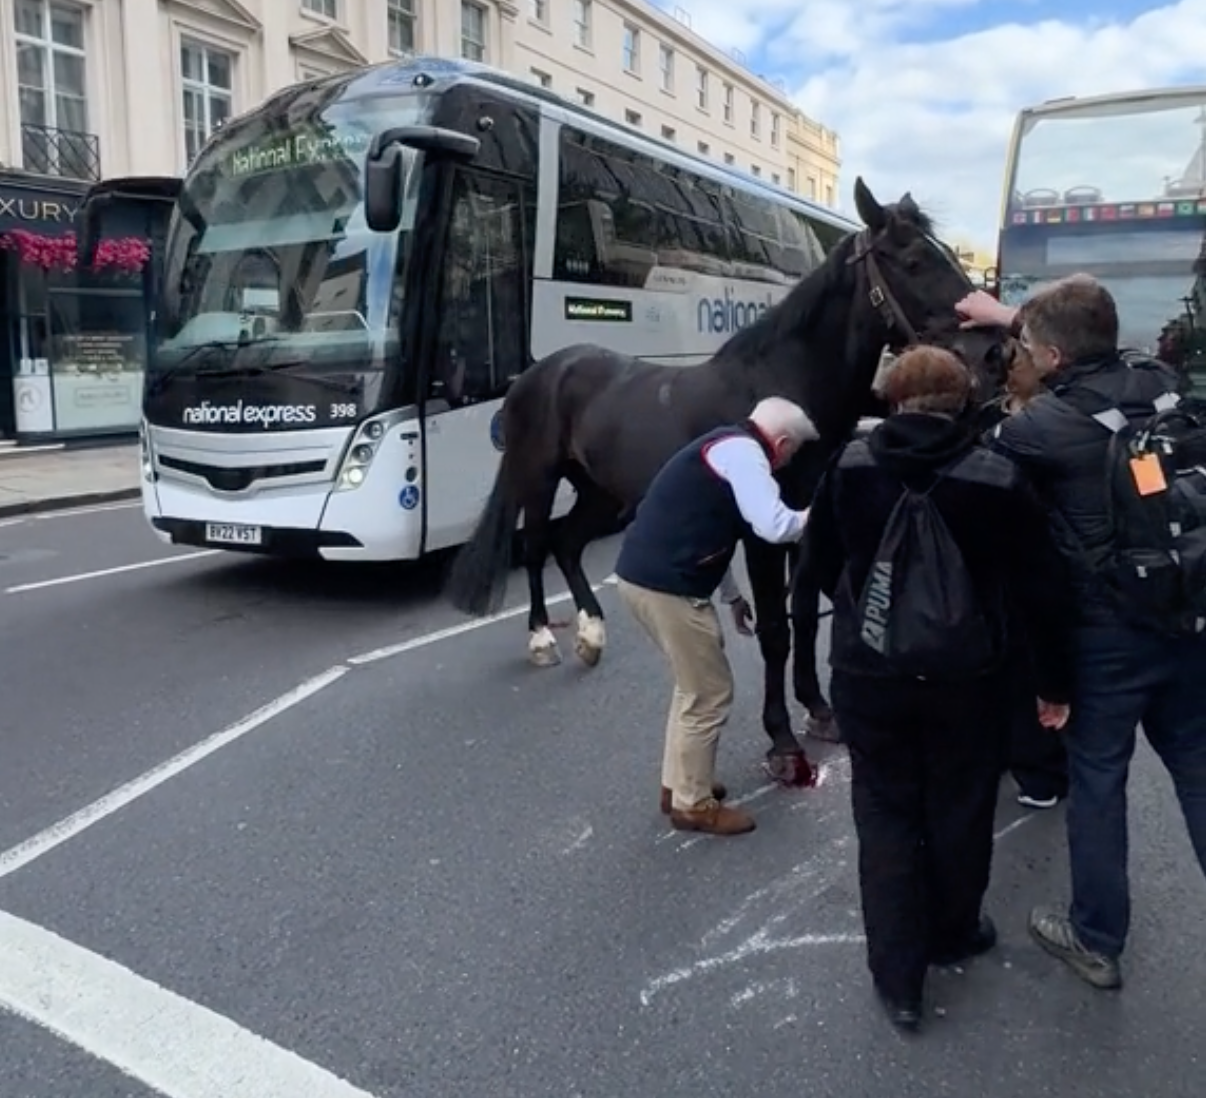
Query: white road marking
(57, 834)
(772, 905)
(110, 571)
(177, 1047)
(94, 509)
(392, 650)
(70, 512)
(23, 853)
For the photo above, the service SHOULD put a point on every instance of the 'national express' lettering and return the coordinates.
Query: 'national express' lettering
(724, 315)
(265, 415)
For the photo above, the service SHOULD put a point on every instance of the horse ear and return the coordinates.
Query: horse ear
(873, 214)
(908, 205)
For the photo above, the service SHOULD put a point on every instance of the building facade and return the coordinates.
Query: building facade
(108, 88)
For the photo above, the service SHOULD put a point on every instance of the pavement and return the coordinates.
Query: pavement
(276, 830)
(49, 479)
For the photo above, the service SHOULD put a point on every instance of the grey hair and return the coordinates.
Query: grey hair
(780, 418)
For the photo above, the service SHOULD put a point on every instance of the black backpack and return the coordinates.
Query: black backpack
(1154, 566)
(919, 608)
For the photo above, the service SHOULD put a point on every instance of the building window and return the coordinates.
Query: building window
(665, 62)
(775, 178)
(704, 148)
(207, 87)
(755, 120)
(812, 188)
(701, 88)
(669, 133)
(791, 179)
(776, 122)
(586, 98)
(633, 118)
(828, 194)
(328, 9)
(542, 78)
(755, 169)
(473, 31)
(728, 103)
(582, 13)
(729, 158)
(632, 49)
(51, 90)
(402, 20)
(540, 10)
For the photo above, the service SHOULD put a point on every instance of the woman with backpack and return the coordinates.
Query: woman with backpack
(927, 543)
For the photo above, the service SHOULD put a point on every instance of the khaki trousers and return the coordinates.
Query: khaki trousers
(689, 634)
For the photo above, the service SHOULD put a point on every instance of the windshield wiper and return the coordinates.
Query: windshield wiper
(335, 385)
(161, 377)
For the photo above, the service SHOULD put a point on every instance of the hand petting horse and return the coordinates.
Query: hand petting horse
(606, 422)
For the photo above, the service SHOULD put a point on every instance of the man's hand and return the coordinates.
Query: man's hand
(982, 310)
(743, 616)
(1053, 716)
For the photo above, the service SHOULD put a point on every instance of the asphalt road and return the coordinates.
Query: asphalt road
(443, 873)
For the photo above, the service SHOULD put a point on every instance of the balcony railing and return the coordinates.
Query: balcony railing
(66, 153)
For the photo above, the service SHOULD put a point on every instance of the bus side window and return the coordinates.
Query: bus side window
(802, 251)
(487, 265)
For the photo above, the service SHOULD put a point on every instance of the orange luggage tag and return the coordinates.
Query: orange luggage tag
(1148, 475)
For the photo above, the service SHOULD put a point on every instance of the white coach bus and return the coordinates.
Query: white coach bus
(325, 377)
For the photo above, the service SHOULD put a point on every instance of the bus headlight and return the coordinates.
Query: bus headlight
(145, 454)
(360, 454)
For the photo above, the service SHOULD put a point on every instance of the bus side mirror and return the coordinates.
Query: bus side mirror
(386, 167)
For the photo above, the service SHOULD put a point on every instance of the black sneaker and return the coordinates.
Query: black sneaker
(1056, 934)
(984, 938)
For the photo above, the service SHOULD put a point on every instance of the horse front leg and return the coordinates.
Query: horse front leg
(786, 760)
(805, 623)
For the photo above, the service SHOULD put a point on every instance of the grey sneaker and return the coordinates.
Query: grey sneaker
(1054, 933)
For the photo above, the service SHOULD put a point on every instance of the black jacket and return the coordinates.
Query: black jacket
(687, 526)
(998, 524)
(1063, 453)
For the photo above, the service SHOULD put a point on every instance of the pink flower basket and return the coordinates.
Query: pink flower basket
(126, 255)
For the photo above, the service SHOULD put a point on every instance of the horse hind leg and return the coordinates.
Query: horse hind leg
(543, 650)
(592, 514)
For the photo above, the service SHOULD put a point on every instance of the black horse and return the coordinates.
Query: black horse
(607, 422)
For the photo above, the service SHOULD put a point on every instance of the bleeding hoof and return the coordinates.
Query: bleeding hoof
(542, 648)
(790, 769)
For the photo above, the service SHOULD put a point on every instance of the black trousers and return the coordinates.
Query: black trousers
(926, 762)
(1038, 759)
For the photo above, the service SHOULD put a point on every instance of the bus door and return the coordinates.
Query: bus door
(482, 344)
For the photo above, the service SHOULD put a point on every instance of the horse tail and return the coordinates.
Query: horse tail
(477, 581)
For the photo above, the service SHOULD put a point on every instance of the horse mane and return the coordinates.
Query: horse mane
(798, 311)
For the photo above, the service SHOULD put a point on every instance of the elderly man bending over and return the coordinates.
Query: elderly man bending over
(713, 493)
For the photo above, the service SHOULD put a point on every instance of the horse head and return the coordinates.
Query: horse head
(910, 283)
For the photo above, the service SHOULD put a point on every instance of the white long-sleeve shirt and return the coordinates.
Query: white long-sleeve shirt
(742, 463)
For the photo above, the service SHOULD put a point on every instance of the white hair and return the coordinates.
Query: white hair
(780, 418)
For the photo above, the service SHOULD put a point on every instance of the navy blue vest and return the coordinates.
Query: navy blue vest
(687, 526)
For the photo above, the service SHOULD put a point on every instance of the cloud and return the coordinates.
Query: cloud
(924, 103)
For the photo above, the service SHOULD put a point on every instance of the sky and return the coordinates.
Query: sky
(923, 93)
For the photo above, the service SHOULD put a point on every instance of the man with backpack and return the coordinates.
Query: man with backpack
(923, 540)
(1117, 456)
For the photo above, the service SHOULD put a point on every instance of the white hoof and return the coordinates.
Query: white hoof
(542, 648)
(591, 639)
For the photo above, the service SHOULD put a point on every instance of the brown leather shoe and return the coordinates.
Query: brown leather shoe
(719, 791)
(712, 817)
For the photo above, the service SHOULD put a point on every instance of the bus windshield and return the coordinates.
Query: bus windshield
(269, 244)
(1117, 189)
